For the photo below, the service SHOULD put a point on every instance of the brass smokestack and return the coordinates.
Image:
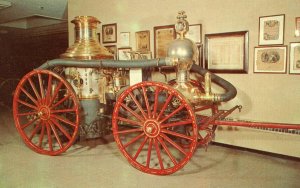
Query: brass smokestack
(86, 44)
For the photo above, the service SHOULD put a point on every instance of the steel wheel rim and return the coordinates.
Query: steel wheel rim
(43, 120)
(155, 147)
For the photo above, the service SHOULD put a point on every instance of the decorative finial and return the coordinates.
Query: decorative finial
(181, 26)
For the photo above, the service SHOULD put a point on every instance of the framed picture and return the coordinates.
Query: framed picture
(297, 30)
(142, 40)
(195, 33)
(163, 35)
(271, 30)
(227, 52)
(112, 49)
(142, 55)
(270, 59)
(124, 40)
(109, 33)
(124, 53)
(295, 58)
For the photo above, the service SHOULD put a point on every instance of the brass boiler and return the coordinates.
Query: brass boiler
(90, 84)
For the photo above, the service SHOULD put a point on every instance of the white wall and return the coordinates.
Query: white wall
(265, 97)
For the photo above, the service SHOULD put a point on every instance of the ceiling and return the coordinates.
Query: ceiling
(28, 14)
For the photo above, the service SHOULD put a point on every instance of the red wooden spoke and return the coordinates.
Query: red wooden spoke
(29, 96)
(49, 89)
(153, 131)
(129, 131)
(155, 102)
(134, 140)
(129, 121)
(138, 105)
(41, 86)
(158, 154)
(56, 91)
(167, 151)
(147, 102)
(34, 89)
(60, 102)
(176, 124)
(132, 112)
(63, 110)
(49, 137)
(48, 123)
(26, 113)
(149, 152)
(63, 120)
(177, 134)
(28, 124)
(42, 135)
(34, 131)
(27, 104)
(55, 134)
(174, 144)
(173, 113)
(61, 129)
(140, 148)
(165, 106)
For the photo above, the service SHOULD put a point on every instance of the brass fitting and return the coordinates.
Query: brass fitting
(208, 95)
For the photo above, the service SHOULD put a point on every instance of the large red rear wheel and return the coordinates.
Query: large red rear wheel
(149, 125)
(46, 112)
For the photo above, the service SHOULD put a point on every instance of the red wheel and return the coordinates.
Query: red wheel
(46, 112)
(151, 137)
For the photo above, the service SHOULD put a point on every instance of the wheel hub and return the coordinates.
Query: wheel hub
(44, 113)
(151, 128)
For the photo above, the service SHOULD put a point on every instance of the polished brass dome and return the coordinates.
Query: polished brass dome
(86, 44)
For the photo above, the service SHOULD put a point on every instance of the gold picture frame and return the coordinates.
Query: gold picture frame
(112, 49)
(109, 33)
(295, 58)
(142, 40)
(163, 35)
(270, 59)
(271, 30)
(227, 52)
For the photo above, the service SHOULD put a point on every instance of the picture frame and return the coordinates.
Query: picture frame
(195, 33)
(109, 33)
(123, 53)
(297, 27)
(271, 30)
(270, 59)
(124, 40)
(142, 40)
(142, 55)
(294, 58)
(112, 49)
(227, 52)
(163, 35)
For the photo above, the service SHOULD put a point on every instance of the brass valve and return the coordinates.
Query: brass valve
(208, 95)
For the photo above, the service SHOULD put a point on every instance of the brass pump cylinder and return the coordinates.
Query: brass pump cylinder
(86, 46)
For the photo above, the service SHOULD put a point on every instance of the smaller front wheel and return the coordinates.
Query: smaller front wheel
(152, 132)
